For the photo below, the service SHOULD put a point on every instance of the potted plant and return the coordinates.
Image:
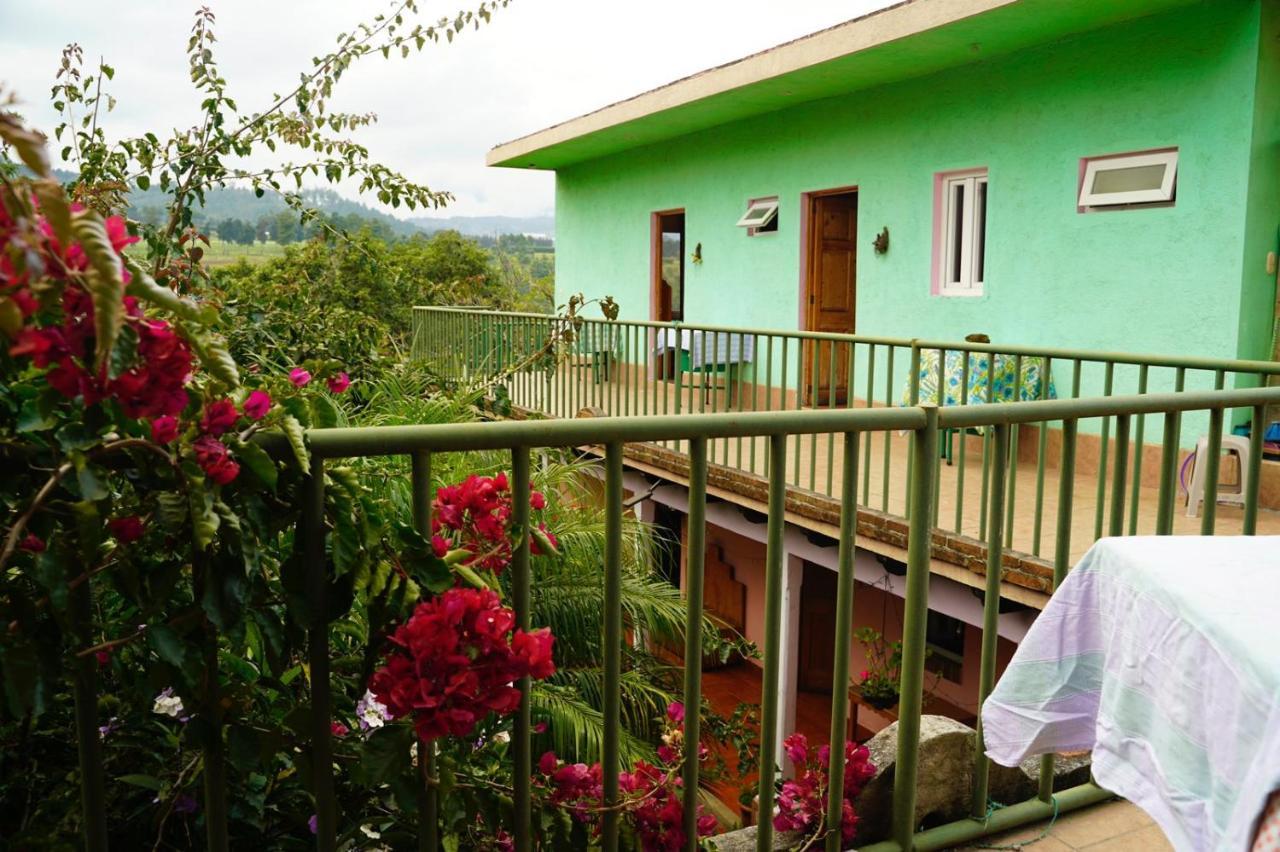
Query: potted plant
(878, 682)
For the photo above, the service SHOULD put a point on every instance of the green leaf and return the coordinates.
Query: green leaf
(104, 280)
(124, 354)
(297, 440)
(28, 143)
(91, 487)
(204, 519)
(150, 782)
(54, 206)
(213, 354)
(36, 415)
(165, 642)
(324, 414)
(386, 753)
(144, 183)
(10, 318)
(259, 463)
(77, 436)
(172, 509)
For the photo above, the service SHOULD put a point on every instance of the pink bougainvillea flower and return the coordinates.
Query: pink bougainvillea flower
(314, 824)
(339, 383)
(164, 429)
(456, 660)
(675, 711)
(540, 727)
(864, 674)
(537, 501)
(126, 530)
(338, 729)
(299, 377)
(256, 405)
(32, 543)
(439, 546)
(215, 459)
(219, 417)
(103, 657)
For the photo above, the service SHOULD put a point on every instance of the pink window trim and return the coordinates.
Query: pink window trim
(939, 222)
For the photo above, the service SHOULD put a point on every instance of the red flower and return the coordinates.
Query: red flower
(256, 405)
(803, 800)
(339, 383)
(126, 530)
(537, 501)
(439, 546)
(32, 543)
(215, 459)
(103, 657)
(164, 429)
(338, 729)
(299, 377)
(219, 416)
(456, 660)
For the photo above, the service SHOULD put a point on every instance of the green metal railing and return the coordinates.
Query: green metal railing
(778, 430)
(557, 367)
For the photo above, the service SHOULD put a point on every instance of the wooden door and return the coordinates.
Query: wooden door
(817, 629)
(832, 268)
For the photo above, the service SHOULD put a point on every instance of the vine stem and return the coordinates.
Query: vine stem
(20, 525)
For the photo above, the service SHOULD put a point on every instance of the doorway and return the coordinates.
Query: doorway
(817, 629)
(830, 299)
(667, 298)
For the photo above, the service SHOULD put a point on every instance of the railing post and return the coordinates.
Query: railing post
(428, 800)
(772, 637)
(924, 453)
(1212, 464)
(694, 562)
(1119, 472)
(612, 639)
(1061, 555)
(1257, 427)
(843, 632)
(990, 615)
(215, 767)
(93, 796)
(317, 581)
(520, 583)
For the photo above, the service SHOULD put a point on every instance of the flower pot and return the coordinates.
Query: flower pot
(880, 702)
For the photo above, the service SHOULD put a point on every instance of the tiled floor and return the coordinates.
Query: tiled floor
(1117, 826)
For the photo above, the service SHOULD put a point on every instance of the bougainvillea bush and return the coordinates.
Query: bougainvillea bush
(802, 801)
(152, 594)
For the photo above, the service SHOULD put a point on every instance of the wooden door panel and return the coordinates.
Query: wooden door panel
(817, 629)
(833, 258)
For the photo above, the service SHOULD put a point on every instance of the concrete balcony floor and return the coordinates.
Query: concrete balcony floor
(1117, 826)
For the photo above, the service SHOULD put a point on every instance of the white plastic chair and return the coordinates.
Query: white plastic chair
(1236, 444)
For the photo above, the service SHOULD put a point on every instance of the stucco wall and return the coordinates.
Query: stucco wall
(1158, 280)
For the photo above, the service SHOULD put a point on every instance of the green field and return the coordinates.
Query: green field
(221, 253)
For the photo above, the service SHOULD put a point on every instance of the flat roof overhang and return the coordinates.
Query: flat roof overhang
(911, 39)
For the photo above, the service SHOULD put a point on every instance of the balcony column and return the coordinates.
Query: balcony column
(788, 672)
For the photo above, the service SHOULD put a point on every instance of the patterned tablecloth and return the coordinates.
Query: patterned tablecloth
(1006, 387)
(711, 348)
(1162, 655)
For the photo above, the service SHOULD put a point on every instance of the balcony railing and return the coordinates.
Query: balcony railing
(778, 430)
(563, 367)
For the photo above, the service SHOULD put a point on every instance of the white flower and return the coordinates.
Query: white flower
(168, 704)
(370, 712)
(502, 737)
(369, 832)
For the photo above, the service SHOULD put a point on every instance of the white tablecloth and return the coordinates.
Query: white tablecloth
(714, 348)
(1162, 655)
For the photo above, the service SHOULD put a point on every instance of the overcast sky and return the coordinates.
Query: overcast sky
(538, 63)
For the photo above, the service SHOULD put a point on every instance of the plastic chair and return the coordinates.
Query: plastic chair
(1235, 444)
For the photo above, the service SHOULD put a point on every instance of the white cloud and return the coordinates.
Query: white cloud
(538, 63)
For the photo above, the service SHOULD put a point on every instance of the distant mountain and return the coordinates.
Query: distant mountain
(489, 226)
(235, 203)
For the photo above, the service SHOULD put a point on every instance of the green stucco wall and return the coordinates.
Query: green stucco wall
(1148, 280)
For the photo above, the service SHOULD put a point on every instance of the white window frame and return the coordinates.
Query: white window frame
(1093, 165)
(760, 212)
(973, 224)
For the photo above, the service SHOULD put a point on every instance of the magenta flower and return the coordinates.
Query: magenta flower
(164, 429)
(339, 383)
(126, 530)
(256, 405)
(219, 417)
(314, 824)
(675, 711)
(32, 543)
(299, 377)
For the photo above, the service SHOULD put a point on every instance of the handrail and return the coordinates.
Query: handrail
(1237, 365)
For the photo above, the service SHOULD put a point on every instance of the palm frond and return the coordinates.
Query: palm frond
(575, 729)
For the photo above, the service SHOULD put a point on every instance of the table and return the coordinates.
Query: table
(1162, 655)
(706, 352)
(1009, 385)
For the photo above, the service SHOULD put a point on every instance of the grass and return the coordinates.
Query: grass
(221, 253)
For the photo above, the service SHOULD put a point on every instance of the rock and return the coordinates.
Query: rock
(944, 783)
